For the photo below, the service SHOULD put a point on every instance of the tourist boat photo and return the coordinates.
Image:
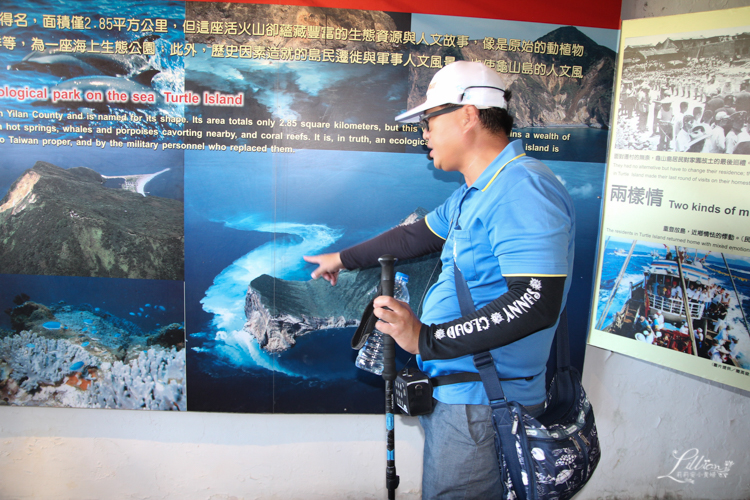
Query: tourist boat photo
(678, 299)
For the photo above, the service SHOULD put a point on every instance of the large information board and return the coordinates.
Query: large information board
(165, 166)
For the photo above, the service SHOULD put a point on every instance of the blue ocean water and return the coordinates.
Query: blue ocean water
(281, 207)
(643, 256)
(123, 298)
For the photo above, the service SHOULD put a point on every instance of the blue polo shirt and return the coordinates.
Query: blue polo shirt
(516, 219)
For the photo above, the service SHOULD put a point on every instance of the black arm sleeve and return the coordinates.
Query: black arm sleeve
(531, 304)
(403, 242)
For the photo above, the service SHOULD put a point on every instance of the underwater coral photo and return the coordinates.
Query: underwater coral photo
(92, 343)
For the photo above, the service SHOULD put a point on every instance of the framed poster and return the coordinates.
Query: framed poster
(673, 280)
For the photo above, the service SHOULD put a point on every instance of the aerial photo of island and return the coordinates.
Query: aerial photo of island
(119, 216)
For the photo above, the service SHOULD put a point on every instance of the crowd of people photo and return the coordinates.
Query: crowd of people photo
(685, 104)
(708, 302)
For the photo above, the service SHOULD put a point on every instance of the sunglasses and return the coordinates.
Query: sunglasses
(425, 121)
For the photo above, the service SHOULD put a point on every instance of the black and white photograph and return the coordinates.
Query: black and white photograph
(686, 93)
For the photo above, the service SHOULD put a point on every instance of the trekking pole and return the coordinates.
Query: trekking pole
(387, 277)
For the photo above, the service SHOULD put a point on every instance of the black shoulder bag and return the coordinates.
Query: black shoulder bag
(549, 457)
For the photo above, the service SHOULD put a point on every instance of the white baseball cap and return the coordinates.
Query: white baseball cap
(721, 115)
(461, 82)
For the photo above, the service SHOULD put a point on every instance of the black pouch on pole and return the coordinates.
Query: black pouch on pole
(366, 324)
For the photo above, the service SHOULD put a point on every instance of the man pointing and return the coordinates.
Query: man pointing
(510, 231)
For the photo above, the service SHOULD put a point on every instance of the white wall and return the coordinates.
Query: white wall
(644, 413)
(53, 453)
(647, 415)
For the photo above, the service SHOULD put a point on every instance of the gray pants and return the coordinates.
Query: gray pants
(460, 461)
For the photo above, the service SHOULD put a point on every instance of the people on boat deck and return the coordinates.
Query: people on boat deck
(644, 328)
(709, 306)
(644, 325)
(704, 296)
(721, 330)
(719, 351)
(716, 311)
(699, 337)
(725, 298)
(701, 343)
(646, 336)
(715, 299)
(658, 321)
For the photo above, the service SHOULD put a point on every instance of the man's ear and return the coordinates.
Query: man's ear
(469, 116)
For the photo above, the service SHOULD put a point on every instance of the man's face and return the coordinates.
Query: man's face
(441, 137)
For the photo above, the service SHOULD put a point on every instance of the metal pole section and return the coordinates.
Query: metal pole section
(686, 301)
(614, 288)
(387, 278)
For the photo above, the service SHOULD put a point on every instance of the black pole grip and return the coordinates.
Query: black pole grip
(387, 282)
(387, 274)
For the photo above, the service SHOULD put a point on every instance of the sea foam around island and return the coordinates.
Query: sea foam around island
(225, 299)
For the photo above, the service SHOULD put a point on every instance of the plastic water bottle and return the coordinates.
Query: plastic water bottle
(370, 357)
